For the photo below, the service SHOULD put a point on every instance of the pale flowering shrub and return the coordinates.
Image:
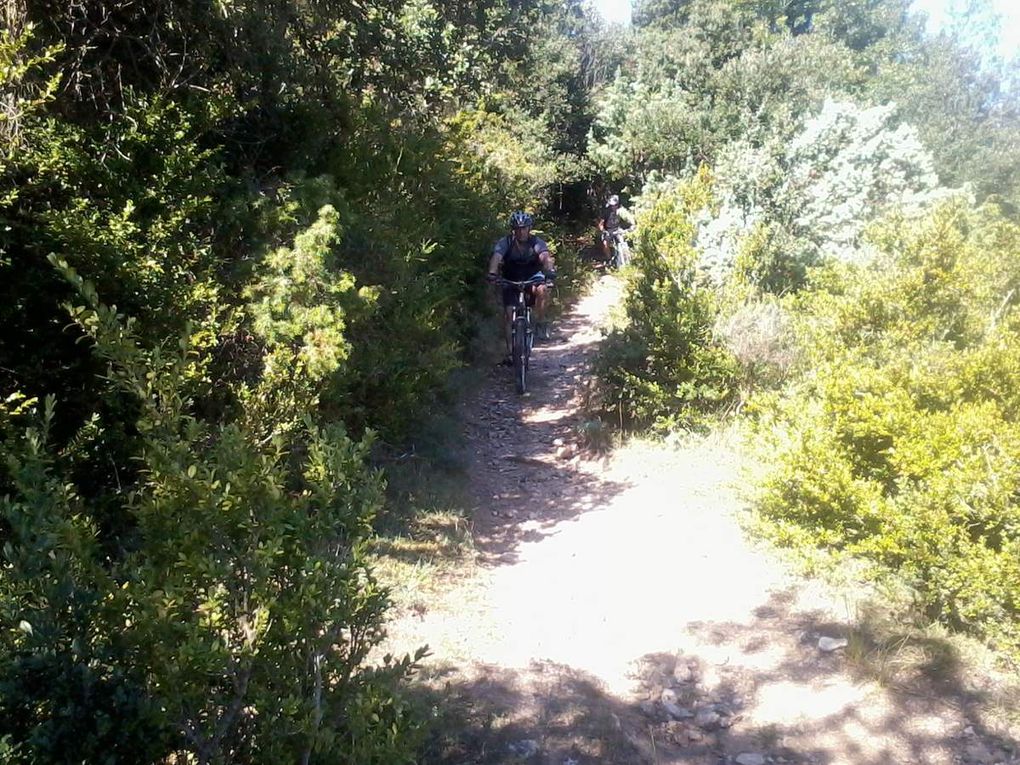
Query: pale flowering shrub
(815, 197)
(745, 178)
(847, 167)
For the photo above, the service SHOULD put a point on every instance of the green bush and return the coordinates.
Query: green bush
(348, 302)
(900, 439)
(294, 207)
(234, 622)
(664, 367)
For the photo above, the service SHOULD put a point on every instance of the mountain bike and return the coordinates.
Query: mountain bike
(618, 249)
(522, 331)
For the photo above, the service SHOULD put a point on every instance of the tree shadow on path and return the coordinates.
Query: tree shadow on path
(698, 708)
(530, 471)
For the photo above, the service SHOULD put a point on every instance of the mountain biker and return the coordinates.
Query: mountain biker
(611, 226)
(518, 257)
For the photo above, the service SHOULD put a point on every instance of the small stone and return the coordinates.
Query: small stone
(721, 707)
(557, 442)
(683, 673)
(830, 644)
(526, 748)
(676, 712)
(668, 696)
(706, 719)
(750, 758)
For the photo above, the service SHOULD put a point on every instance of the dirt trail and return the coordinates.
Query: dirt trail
(615, 612)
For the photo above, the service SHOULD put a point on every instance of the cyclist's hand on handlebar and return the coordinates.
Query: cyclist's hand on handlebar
(550, 277)
(491, 278)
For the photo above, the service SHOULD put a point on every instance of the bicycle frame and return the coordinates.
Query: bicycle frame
(619, 249)
(522, 334)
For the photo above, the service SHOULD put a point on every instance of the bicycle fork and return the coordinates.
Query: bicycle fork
(522, 327)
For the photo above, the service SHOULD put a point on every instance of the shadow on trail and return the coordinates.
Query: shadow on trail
(712, 679)
(546, 713)
(530, 473)
(706, 708)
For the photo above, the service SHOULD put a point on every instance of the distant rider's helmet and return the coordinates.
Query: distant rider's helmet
(614, 201)
(521, 219)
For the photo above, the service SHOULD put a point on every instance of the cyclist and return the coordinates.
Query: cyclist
(611, 226)
(517, 257)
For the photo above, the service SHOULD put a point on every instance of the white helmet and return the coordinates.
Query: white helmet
(521, 219)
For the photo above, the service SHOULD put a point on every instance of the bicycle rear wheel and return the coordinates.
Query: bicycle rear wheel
(622, 252)
(520, 354)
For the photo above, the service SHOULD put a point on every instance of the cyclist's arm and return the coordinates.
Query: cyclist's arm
(546, 259)
(495, 263)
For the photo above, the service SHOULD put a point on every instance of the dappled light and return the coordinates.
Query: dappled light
(617, 613)
(797, 706)
(266, 431)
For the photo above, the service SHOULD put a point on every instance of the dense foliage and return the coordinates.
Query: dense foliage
(900, 440)
(664, 367)
(241, 246)
(240, 249)
(827, 201)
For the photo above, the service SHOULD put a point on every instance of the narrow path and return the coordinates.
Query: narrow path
(615, 613)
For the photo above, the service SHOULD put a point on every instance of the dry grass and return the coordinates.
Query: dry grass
(418, 564)
(892, 644)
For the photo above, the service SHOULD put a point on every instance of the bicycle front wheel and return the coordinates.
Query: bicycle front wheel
(520, 354)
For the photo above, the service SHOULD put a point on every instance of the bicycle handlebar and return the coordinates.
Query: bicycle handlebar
(538, 278)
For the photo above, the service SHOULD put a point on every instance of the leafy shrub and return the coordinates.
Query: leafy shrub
(900, 441)
(788, 205)
(289, 204)
(234, 621)
(664, 367)
(22, 95)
